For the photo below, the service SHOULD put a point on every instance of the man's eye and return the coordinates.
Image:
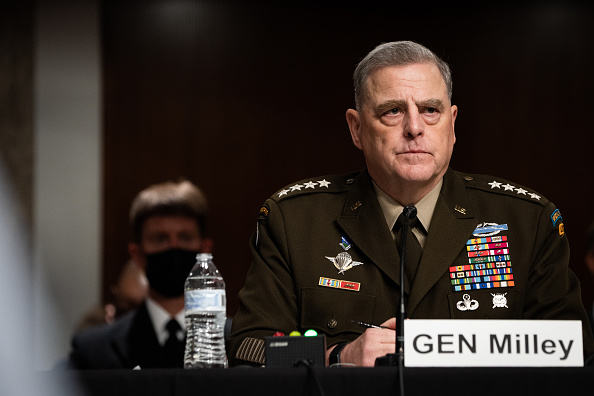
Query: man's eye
(431, 110)
(393, 111)
(186, 237)
(159, 238)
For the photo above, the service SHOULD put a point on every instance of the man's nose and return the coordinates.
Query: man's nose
(413, 124)
(174, 243)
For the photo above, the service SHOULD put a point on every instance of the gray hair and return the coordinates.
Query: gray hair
(397, 53)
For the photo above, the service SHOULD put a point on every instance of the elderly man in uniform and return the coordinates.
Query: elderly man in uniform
(325, 254)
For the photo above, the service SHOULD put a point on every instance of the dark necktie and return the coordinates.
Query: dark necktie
(413, 247)
(174, 348)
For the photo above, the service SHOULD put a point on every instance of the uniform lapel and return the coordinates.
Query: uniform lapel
(364, 224)
(452, 225)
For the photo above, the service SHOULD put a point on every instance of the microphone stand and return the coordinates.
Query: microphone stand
(397, 359)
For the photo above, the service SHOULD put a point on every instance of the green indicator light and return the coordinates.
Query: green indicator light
(310, 333)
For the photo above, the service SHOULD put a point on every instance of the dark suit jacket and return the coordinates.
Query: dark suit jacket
(290, 283)
(129, 342)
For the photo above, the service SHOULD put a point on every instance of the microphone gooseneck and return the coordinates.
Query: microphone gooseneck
(397, 359)
(410, 212)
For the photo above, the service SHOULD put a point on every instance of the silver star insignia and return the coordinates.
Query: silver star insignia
(495, 184)
(309, 184)
(521, 191)
(343, 262)
(283, 192)
(324, 183)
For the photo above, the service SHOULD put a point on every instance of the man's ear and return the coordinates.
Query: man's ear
(454, 111)
(136, 255)
(354, 121)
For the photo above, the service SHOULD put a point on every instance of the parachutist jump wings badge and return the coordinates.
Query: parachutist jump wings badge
(343, 262)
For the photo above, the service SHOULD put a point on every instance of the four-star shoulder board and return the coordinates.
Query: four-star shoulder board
(488, 183)
(312, 184)
(332, 183)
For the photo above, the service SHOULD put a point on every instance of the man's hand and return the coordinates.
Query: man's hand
(373, 343)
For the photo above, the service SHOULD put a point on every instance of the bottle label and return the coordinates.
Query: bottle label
(204, 300)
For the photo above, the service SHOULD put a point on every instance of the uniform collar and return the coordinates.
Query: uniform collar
(425, 208)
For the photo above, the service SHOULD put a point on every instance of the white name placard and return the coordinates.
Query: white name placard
(493, 343)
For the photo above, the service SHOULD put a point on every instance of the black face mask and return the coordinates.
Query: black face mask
(167, 271)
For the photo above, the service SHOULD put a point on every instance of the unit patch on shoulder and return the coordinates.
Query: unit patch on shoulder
(263, 215)
(556, 218)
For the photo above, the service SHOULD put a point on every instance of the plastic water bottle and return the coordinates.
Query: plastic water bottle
(206, 308)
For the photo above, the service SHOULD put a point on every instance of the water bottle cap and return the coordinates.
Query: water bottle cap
(204, 256)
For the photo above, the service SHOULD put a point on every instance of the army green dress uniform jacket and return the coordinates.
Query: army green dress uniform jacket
(297, 281)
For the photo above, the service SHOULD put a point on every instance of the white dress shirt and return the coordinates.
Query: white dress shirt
(160, 318)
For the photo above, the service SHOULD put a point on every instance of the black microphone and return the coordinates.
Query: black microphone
(397, 359)
(410, 212)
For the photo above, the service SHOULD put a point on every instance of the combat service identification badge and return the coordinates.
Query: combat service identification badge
(557, 219)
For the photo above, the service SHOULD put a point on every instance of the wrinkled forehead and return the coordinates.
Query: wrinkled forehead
(420, 80)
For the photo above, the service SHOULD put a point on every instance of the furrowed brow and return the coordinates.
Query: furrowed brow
(435, 103)
(391, 104)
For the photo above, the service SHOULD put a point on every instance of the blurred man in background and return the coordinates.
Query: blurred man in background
(168, 222)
